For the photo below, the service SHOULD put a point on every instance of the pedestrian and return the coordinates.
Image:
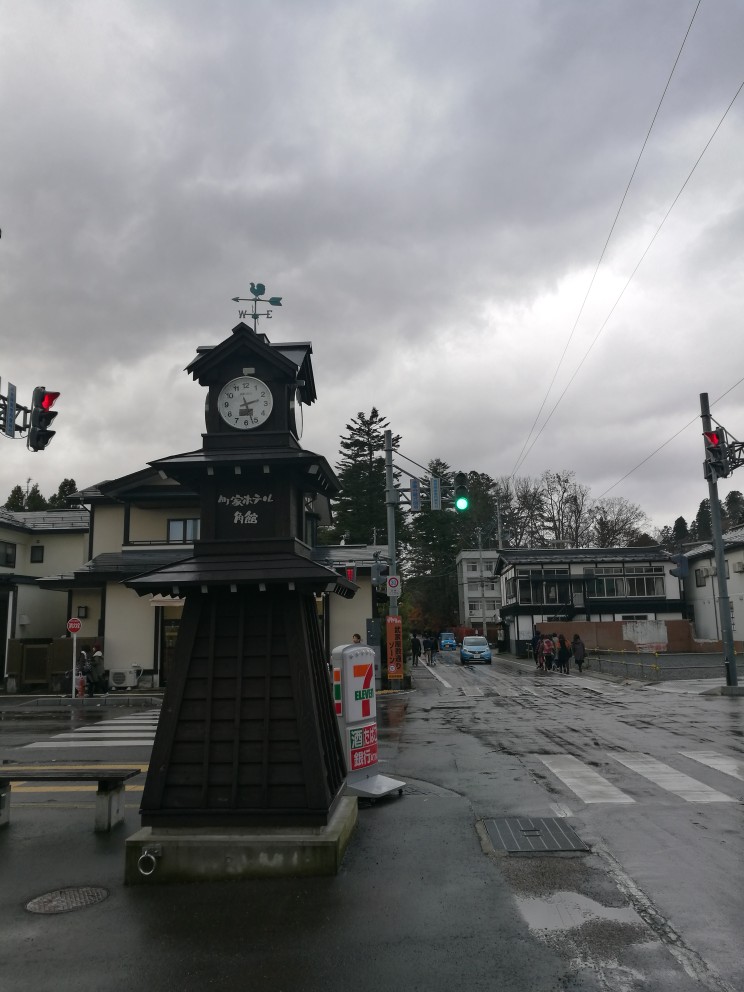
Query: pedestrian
(540, 655)
(579, 651)
(536, 638)
(356, 638)
(415, 649)
(564, 655)
(429, 646)
(548, 653)
(97, 679)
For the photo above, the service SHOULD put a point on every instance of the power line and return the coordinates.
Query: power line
(668, 440)
(630, 278)
(604, 249)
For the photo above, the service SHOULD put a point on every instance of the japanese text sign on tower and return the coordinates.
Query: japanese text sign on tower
(394, 644)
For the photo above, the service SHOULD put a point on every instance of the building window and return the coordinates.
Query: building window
(471, 566)
(37, 554)
(490, 605)
(699, 577)
(473, 607)
(183, 531)
(7, 554)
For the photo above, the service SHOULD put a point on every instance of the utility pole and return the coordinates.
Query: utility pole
(724, 608)
(479, 532)
(391, 501)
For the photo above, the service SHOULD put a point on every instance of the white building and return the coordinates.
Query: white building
(701, 586)
(478, 593)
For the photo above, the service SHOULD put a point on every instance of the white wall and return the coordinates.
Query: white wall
(130, 629)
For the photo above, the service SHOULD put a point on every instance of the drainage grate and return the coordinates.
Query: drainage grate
(521, 835)
(67, 900)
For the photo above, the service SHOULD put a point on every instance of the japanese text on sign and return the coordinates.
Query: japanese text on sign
(246, 500)
(394, 643)
(363, 746)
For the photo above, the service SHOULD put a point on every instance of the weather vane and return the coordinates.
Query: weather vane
(257, 291)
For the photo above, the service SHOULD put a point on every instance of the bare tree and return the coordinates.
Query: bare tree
(617, 522)
(567, 510)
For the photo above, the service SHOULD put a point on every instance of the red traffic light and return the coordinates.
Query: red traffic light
(48, 400)
(714, 438)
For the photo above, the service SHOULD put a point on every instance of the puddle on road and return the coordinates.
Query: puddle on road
(569, 910)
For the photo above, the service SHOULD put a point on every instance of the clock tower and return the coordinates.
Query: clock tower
(248, 739)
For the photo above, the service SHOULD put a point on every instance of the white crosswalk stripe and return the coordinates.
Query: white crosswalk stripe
(670, 779)
(126, 731)
(591, 787)
(583, 781)
(729, 766)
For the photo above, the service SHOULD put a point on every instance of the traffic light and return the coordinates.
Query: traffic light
(716, 454)
(462, 495)
(380, 570)
(42, 415)
(350, 572)
(682, 566)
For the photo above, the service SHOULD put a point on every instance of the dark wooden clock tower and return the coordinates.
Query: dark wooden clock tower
(248, 735)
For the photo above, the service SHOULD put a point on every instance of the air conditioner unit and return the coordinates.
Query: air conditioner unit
(126, 678)
(710, 571)
(739, 566)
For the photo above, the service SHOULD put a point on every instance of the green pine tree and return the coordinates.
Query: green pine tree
(59, 501)
(34, 500)
(16, 501)
(360, 514)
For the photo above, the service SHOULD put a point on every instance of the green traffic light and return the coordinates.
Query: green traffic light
(462, 496)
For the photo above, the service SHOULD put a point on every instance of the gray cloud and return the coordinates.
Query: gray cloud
(427, 186)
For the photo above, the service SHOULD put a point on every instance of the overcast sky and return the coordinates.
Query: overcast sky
(429, 187)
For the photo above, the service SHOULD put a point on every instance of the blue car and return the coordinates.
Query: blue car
(475, 649)
(447, 642)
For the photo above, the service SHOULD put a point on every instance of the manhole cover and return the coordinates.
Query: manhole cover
(66, 900)
(521, 834)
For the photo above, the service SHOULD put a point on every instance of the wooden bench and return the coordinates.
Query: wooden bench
(109, 795)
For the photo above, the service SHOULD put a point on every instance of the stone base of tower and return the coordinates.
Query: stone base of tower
(157, 855)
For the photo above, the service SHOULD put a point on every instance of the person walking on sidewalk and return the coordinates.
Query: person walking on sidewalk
(579, 651)
(415, 650)
(564, 655)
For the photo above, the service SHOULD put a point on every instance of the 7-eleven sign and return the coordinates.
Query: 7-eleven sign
(360, 691)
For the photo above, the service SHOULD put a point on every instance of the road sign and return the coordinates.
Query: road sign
(74, 625)
(393, 585)
(10, 411)
(435, 492)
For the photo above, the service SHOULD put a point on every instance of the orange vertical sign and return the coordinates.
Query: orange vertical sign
(394, 640)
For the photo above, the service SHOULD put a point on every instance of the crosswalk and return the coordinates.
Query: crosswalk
(137, 729)
(591, 787)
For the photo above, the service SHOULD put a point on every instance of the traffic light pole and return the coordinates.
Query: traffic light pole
(391, 501)
(724, 608)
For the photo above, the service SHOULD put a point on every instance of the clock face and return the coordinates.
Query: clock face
(296, 415)
(245, 402)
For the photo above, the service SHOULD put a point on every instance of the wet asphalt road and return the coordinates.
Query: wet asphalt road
(423, 901)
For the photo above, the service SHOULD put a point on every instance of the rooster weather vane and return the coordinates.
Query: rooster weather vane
(256, 297)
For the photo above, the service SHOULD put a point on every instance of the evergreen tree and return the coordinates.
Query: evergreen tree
(16, 501)
(680, 532)
(734, 508)
(34, 500)
(59, 501)
(703, 529)
(360, 512)
(432, 543)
